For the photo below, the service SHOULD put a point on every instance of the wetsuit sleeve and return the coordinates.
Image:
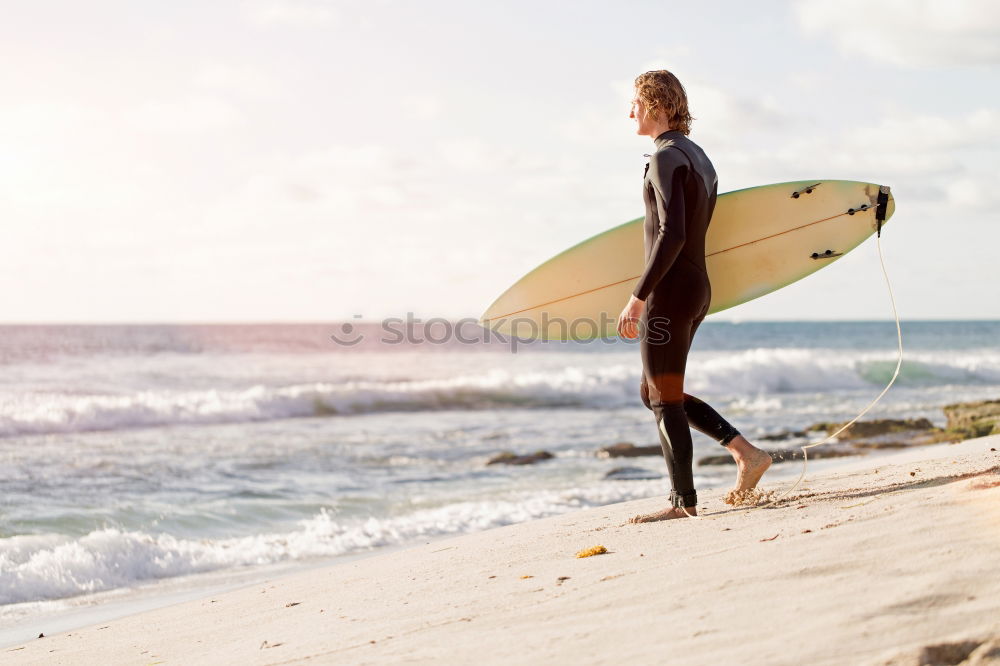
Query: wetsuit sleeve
(667, 176)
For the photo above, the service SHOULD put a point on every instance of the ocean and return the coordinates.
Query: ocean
(151, 460)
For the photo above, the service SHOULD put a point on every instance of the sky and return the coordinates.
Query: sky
(315, 160)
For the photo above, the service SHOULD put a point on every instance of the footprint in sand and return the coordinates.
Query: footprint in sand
(972, 652)
(748, 497)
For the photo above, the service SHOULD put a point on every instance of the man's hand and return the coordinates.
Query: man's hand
(629, 318)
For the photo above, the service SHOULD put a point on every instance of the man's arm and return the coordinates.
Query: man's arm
(667, 173)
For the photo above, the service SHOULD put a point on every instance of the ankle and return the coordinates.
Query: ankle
(740, 447)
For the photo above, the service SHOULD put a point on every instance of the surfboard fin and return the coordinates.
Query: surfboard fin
(805, 190)
(825, 255)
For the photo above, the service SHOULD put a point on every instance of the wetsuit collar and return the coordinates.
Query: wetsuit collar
(667, 136)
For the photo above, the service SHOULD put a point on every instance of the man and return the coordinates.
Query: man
(673, 294)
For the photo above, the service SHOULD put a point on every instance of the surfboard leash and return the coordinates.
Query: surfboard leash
(880, 213)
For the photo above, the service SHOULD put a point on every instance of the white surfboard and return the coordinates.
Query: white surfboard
(760, 239)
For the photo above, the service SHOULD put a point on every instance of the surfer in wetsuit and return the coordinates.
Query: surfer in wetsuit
(673, 294)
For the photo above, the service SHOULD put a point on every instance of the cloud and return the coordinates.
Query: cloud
(194, 113)
(63, 157)
(977, 191)
(423, 106)
(909, 33)
(34, 121)
(933, 159)
(227, 78)
(287, 12)
(448, 220)
(923, 132)
(725, 113)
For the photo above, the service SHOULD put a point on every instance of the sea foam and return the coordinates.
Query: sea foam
(42, 567)
(599, 383)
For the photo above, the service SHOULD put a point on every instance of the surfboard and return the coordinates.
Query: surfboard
(760, 239)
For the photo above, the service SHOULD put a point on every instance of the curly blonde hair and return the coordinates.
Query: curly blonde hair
(661, 91)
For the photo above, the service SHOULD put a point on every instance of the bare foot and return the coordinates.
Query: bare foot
(666, 514)
(752, 466)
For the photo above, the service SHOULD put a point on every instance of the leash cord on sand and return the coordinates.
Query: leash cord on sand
(899, 362)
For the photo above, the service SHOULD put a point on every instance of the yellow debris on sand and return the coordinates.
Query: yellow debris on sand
(596, 550)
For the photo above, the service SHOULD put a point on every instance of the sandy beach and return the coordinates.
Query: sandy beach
(888, 559)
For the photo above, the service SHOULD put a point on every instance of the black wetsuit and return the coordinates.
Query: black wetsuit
(680, 188)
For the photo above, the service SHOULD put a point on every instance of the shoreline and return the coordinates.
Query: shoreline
(102, 607)
(871, 562)
(163, 593)
(106, 606)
